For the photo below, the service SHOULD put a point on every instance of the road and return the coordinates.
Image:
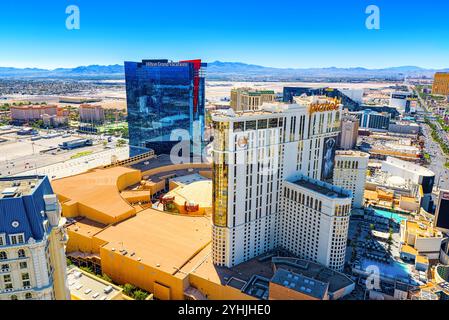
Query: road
(437, 157)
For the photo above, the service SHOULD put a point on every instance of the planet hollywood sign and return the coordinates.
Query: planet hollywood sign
(322, 107)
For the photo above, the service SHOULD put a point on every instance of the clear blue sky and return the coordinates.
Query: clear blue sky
(278, 33)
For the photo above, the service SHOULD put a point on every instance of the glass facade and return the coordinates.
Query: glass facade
(162, 97)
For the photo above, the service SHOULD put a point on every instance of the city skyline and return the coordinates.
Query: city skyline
(290, 34)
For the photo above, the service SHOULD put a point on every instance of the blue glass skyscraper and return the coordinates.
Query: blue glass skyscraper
(164, 96)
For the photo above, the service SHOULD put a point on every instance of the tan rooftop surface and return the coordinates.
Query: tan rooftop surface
(159, 238)
(200, 192)
(86, 227)
(97, 190)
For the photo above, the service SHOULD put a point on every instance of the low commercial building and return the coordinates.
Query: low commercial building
(32, 112)
(74, 144)
(55, 120)
(296, 279)
(420, 242)
(91, 113)
(86, 286)
(404, 127)
(404, 101)
(415, 174)
(382, 149)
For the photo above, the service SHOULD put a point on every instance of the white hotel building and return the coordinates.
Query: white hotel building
(32, 241)
(350, 173)
(315, 220)
(253, 154)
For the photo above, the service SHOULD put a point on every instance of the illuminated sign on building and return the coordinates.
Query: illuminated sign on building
(322, 107)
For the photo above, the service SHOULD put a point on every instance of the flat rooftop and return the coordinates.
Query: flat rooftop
(243, 276)
(86, 227)
(97, 190)
(88, 287)
(159, 239)
(17, 187)
(352, 153)
(300, 283)
(322, 188)
(188, 179)
(411, 167)
(199, 192)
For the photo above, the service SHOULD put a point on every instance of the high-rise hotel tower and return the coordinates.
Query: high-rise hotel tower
(165, 99)
(254, 152)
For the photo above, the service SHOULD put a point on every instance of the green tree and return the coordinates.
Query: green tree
(140, 295)
(87, 269)
(120, 143)
(106, 278)
(129, 289)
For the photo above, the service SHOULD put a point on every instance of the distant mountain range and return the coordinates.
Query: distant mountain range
(230, 71)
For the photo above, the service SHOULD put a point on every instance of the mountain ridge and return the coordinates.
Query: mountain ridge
(229, 71)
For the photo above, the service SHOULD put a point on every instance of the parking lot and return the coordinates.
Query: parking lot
(25, 155)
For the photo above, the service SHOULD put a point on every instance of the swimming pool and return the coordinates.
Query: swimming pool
(395, 270)
(390, 215)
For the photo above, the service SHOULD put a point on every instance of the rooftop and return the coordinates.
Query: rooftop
(85, 286)
(242, 276)
(86, 227)
(352, 153)
(34, 107)
(423, 229)
(406, 165)
(300, 283)
(99, 193)
(321, 187)
(199, 192)
(159, 239)
(17, 187)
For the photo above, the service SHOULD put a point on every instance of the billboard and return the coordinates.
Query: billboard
(427, 184)
(442, 213)
(327, 167)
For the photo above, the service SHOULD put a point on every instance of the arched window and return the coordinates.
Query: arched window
(28, 296)
(21, 253)
(3, 255)
(13, 297)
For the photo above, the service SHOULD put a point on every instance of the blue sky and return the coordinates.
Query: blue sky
(277, 33)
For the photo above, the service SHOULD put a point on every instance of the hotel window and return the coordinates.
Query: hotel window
(238, 126)
(2, 240)
(28, 296)
(23, 265)
(8, 281)
(3, 255)
(26, 279)
(21, 253)
(17, 238)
